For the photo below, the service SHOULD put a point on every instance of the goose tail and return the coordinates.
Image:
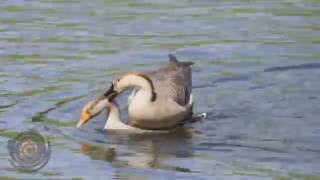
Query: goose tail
(175, 61)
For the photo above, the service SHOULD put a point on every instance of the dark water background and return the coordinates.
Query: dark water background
(256, 75)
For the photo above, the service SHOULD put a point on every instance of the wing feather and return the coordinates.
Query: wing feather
(173, 81)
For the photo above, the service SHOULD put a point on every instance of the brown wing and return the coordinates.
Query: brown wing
(173, 81)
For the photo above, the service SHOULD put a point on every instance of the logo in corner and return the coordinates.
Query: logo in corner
(29, 151)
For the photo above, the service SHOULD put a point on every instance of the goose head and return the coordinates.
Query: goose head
(131, 80)
(93, 108)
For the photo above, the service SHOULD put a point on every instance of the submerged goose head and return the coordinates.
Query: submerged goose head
(132, 80)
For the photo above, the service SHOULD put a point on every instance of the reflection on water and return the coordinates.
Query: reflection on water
(98, 153)
(143, 151)
(256, 74)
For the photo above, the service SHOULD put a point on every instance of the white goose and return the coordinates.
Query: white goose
(163, 99)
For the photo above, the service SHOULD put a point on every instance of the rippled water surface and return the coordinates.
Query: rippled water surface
(256, 74)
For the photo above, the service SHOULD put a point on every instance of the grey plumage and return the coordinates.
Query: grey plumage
(173, 81)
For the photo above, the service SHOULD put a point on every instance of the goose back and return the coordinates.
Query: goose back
(173, 81)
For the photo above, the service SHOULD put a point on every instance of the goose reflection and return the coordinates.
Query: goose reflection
(96, 152)
(141, 151)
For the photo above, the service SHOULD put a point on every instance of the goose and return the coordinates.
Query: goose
(163, 98)
(114, 122)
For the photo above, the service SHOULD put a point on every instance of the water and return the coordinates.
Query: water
(256, 75)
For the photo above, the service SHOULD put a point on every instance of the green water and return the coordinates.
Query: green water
(256, 74)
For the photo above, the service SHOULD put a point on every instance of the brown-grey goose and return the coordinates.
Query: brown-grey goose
(162, 101)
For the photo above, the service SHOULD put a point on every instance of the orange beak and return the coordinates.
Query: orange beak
(84, 118)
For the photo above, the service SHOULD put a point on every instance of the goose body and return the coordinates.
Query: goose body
(164, 113)
(163, 98)
(114, 122)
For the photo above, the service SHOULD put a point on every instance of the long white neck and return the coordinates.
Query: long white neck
(113, 120)
(142, 82)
